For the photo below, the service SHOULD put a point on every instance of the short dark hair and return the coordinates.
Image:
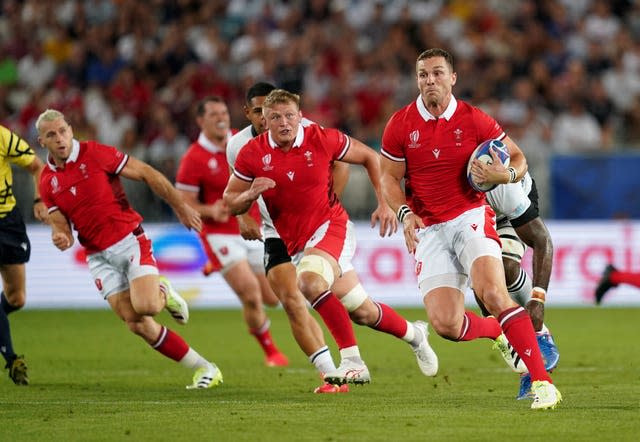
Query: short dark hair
(260, 89)
(202, 103)
(437, 52)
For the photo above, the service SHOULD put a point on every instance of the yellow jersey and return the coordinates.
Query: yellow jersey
(13, 149)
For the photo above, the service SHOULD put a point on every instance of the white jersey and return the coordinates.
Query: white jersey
(234, 145)
(511, 200)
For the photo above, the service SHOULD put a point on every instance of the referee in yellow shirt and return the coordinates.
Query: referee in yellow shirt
(15, 247)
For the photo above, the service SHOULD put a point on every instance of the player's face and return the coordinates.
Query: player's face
(435, 80)
(215, 122)
(283, 120)
(253, 111)
(56, 136)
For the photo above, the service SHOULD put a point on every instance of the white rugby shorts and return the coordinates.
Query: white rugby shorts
(446, 251)
(126, 260)
(230, 249)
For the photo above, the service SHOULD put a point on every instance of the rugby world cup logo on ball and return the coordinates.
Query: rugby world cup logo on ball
(483, 153)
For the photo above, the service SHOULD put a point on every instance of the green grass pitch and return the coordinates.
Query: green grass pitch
(93, 380)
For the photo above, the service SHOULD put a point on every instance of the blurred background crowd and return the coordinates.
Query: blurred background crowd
(561, 76)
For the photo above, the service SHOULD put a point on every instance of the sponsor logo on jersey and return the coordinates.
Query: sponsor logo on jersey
(212, 163)
(73, 190)
(291, 174)
(436, 152)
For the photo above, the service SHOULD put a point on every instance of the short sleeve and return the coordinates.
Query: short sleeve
(110, 159)
(188, 176)
(392, 145)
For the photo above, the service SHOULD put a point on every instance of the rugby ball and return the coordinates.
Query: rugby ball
(482, 153)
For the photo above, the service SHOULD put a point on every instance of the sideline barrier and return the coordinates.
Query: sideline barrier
(61, 279)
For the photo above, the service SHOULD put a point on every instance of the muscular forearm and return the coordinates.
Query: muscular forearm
(162, 187)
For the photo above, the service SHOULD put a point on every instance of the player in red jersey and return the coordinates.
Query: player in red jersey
(290, 166)
(612, 277)
(281, 272)
(80, 185)
(202, 177)
(447, 224)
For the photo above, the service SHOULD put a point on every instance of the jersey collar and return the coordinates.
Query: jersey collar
(447, 114)
(296, 143)
(73, 156)
(210, 145)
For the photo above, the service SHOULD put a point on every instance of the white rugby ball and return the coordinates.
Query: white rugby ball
(482, 153)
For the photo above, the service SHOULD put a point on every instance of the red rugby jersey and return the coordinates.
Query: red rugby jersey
(303, 198)
(87, 190)
(436, 152)
(204, 169)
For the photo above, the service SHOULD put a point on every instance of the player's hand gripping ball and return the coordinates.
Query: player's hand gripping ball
(482, 153)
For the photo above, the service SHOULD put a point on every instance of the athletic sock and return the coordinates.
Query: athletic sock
(6, 345)
(520, 290)
(192, 360)
(171, 344)
(518, 329)
(322, 360)
(619, 277)
(389, 321)
(335, 318)
(263, 336)
(474, 327)
(6, 307)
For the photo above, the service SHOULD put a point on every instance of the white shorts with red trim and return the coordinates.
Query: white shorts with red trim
(228, 250)
(336, 239)
(126, 260)
(446, 251)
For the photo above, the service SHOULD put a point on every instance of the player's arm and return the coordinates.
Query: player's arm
(240, 194)
(392, 174)
(61, 235)
(360, 153)
(340, 174)
(535, 235)
(249, 227)
(39, 209)
(160, 185)
(217, 211)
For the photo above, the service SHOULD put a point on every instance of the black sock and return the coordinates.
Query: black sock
(6, 347)
(6, 307)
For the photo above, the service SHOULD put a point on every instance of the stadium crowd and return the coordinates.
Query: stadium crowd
(561, 76)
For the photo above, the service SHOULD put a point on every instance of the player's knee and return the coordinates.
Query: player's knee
(361, 309)
(494, 297)
(16, 297)
(315, 275)
(147, 306)
(511, 270)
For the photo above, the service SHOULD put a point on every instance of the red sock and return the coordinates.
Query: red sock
(518, 329)
(171, 345)
(474, 327)
(619, 277)
(390, 321)
(336, 319)
(263, 335)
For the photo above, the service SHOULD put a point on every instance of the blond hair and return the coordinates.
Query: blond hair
(48, 115)
(280, 96)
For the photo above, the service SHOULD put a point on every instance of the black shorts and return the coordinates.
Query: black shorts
(532, 212)
(275, 252)
(15, 247)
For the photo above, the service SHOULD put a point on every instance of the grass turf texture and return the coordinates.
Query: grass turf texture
(93, 380)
